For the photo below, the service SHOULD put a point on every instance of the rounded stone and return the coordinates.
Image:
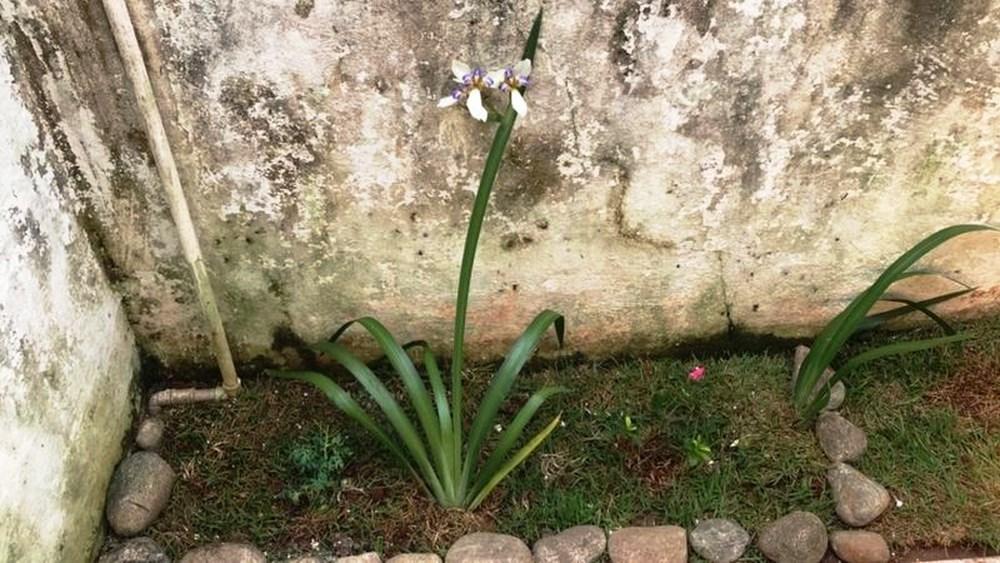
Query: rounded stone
(839, 439)
(370, 557)
(138, 492)
(654, 544)
(859, 546)
(719, 540)
(416, 558)
(136, 550)
(225, 553)
(799, 537)
(859, 499)
(482, 547)
(579, 544)
(150, 434)
(837, 393)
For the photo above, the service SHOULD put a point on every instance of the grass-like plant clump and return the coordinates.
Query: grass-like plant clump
(436, 450)
(854, 319)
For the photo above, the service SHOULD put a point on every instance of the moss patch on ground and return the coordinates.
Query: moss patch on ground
(932, 418)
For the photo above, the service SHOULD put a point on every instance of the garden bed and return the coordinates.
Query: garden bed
(624, 456)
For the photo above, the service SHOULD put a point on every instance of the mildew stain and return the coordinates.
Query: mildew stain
(623, 42)
(696, 12)
(303, 8)
(274, 124)
(529, 176)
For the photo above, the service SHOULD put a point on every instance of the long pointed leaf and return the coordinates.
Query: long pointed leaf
(451, 470)
(513, 462)
(503, 380)
(397, 418)
(830, 340)
(915, 273)
(512, 433)
(874, 321)
(916, 305)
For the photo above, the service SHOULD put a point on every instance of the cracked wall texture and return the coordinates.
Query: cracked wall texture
(67, 355)
(688, 167)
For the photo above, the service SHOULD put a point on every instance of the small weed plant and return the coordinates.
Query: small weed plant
(316, 461)
(436, 449)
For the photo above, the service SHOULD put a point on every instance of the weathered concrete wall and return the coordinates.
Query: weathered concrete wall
(67, 355)
(688, 167)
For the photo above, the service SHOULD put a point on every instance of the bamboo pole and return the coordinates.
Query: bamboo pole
(135, 68)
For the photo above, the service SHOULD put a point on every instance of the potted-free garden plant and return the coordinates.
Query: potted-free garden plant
(436, 449)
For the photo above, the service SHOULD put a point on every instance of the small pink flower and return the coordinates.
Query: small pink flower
(697, 373)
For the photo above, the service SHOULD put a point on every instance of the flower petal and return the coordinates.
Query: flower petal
(475, 105)
(460, 69)
(495, 78)
(447, 101)
(518, 103)
(523, 68)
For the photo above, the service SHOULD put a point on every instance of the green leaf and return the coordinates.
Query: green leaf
(923, 309)
(512, 433)
(874, 321)
(443, 411)
(915, 273)
(522, 350)
(531, 45)
(513, 462)
(400, 423)
(836, 333)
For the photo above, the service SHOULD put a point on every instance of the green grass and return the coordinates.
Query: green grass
(933, 452)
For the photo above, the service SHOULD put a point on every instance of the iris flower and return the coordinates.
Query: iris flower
(472, 82)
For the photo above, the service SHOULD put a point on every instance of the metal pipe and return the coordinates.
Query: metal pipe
(169, 397)
(135, 68)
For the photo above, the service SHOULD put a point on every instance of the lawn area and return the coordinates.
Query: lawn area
(932, 418)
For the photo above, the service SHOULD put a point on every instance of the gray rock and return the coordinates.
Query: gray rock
(308, 559)
(138, 492)
(799, 537)
(225, 553)
(859, 499)
(137, 550)
(341, 545)
(150, 434)
(416, 558)
(579, 544)
(858, 546)
(837, 393)
(483, 547)
(719, 540)
(655, 544)
(370, 557)
(839, 439)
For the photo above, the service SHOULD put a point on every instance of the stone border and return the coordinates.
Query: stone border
(143, 481)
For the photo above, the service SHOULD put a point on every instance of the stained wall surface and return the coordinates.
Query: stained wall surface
(688, 168)
(67, 354)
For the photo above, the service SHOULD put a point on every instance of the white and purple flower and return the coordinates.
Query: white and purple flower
(512, 79)
(472, 82)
